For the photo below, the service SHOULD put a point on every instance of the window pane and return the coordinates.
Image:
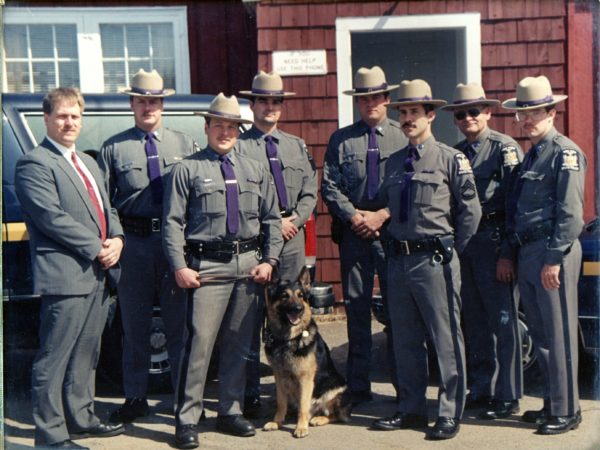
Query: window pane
(112, 41)
(114, 76)
(162, 40)
(43, 77)
(66, 41)
(137, 40)
(17, 75)
(42, 41)
(15, 41)
(69, 73)
(166, 68)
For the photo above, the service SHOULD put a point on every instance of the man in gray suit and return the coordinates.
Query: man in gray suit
(75, 241)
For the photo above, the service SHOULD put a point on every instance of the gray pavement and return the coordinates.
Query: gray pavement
(156, 431)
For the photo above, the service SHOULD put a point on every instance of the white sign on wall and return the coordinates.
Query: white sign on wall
(300, 62)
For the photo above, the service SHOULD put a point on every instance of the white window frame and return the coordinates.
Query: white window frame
(344, 27)
(88, 20)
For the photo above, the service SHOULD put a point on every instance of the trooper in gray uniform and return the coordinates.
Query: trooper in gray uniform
(352, 174)
(286, 157)
(433, 209)
(134, 163)
(489, 306)
(217, 203)
(545, 219)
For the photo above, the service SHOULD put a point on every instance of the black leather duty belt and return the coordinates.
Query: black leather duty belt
(541, 231)
(222, 250)
(142, 226)
(415, 246)
(495, 217)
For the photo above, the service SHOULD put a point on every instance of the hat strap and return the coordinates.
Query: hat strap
(546, 99)
(458, 102)
(266, 91)
(414, 99)
(371, 89)
(227, 116)
(147, 91)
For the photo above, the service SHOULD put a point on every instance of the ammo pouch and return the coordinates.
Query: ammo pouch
(337, 229)
(445, 247)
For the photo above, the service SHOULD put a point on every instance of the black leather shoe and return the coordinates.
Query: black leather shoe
(477, 402)
(100, 431)
(130, 410)
(65, 444)
(498, 409)
(400, 421)
(358, 397)
(186, 436)
(559, 424)
(252, 407)
(444, 428)
(235, 424)
(535, 416)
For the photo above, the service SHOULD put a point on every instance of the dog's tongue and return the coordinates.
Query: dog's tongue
(294, 318)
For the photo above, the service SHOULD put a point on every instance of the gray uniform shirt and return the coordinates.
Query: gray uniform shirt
(553, 191)
(195, 205)
(299, 174)
(443, 197)
(496, 156)
(344, 185)
(123, 161)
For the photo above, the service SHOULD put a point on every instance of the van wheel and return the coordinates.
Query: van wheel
(527, 349)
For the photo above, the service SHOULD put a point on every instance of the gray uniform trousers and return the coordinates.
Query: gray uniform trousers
(552, 319)
(146, 277)
(65, 365)
(490, 319)
(226, 309)
(425, 304)
(360, 260)
(291, 261)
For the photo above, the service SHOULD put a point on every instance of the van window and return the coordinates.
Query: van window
(11, 151)
(97, 127)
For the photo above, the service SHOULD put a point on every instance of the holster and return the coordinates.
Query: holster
(445, 247)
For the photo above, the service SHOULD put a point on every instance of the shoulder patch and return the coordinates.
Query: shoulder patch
(510, 156)
(468, 191)
(464, 167)
(570, 160)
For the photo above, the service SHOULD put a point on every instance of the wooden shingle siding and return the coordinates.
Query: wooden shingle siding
(519, 38)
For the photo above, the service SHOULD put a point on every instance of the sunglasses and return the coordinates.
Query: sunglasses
(473, 112)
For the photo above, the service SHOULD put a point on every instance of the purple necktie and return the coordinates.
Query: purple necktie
(470, 153)
(409, 171)
(276, 171)
(156, 185)
(530, 158)
(231, 194)
(372, 165)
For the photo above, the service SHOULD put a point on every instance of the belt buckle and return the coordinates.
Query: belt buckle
(404, 247)
(236, 247)
(155, 225)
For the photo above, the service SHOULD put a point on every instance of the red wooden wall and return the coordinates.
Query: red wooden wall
(519, 38)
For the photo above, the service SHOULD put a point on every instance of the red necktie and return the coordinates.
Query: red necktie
(93, 197)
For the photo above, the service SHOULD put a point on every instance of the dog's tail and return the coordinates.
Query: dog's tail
(345, 406)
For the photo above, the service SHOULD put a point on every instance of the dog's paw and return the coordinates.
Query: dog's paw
(301, 432)
(271, 426)
(319, 421)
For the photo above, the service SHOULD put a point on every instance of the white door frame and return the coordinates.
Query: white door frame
(344, 27)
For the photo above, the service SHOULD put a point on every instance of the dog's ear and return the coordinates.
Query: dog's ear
(271, 290)
(304, 279)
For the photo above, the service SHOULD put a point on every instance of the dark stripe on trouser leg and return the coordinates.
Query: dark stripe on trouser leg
(182, 377)
(517, 366)
(450, 296)
(564, 309)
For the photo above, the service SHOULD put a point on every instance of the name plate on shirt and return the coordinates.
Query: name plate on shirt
(300, 62)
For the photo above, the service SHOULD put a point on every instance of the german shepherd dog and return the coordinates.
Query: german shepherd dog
(300, 359)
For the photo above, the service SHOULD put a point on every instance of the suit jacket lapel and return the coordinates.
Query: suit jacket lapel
(74, 177)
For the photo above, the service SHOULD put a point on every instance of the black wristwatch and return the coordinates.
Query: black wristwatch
(274, 263)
